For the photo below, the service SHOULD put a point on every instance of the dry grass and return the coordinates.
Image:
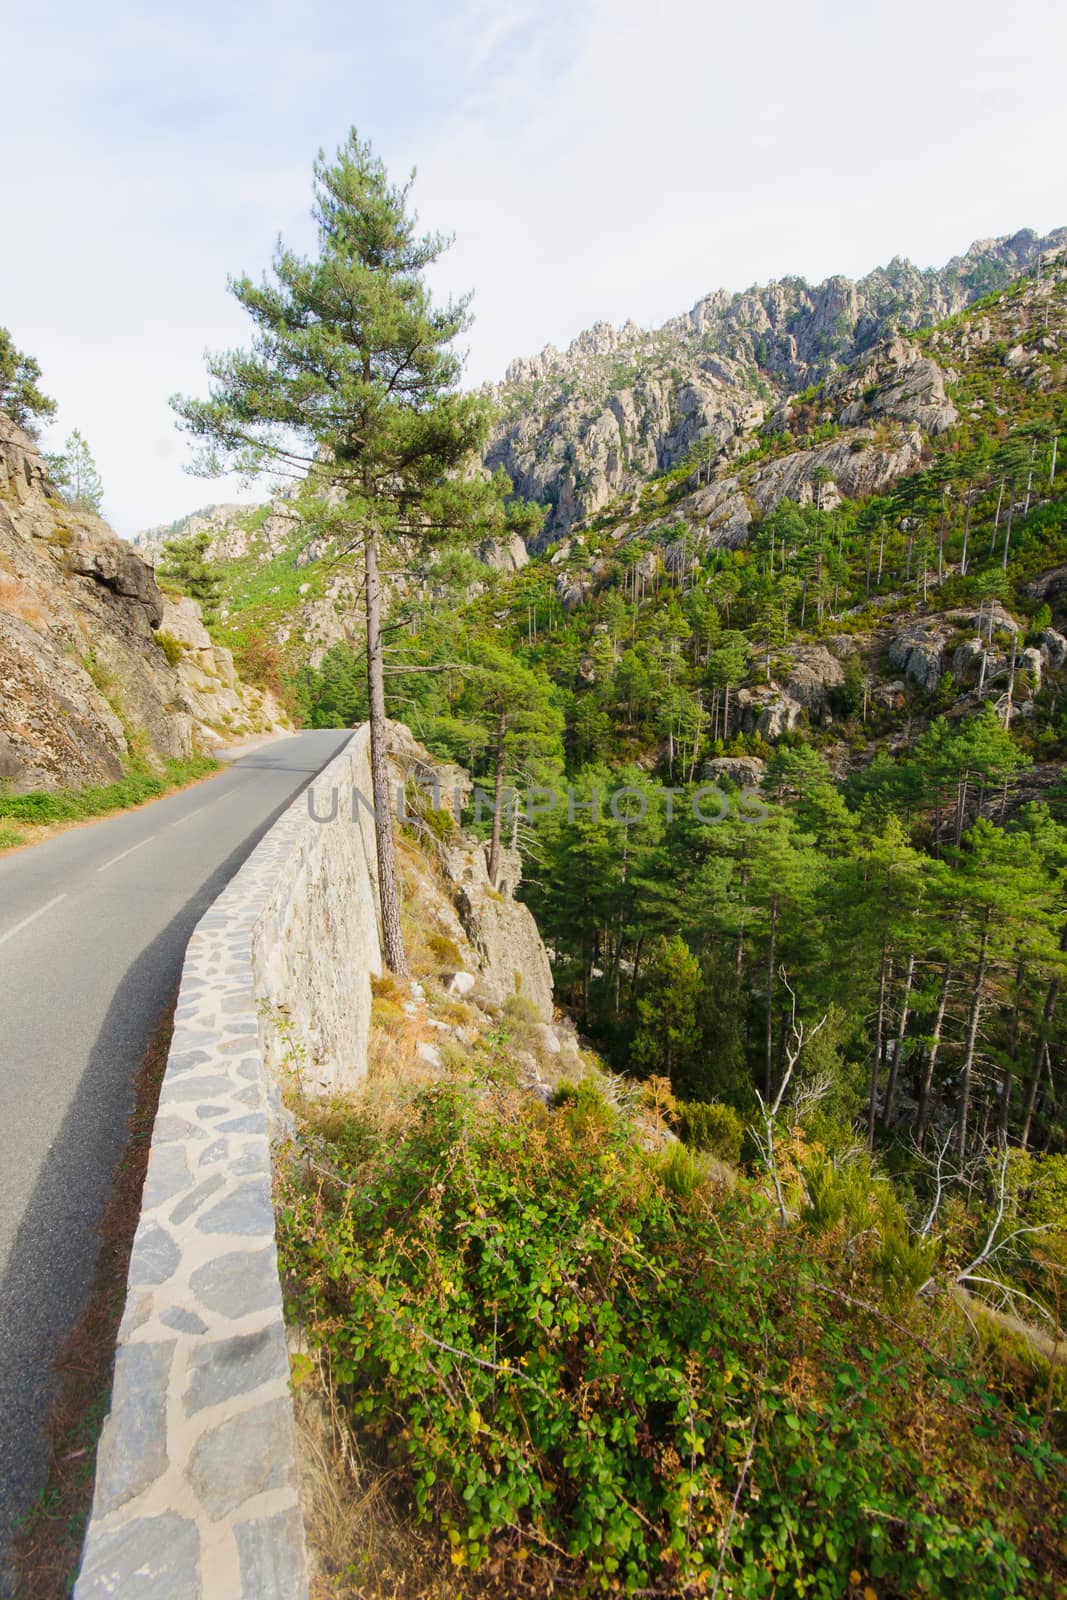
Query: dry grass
(19, 602)
(47, 1547)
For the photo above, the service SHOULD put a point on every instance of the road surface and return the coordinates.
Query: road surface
(93, 928)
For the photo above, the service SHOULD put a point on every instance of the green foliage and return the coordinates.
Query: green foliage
(75, 475)
(20, 397)
(185, 563)
(333, 694)
(680, 1172)
(140, 782)
(667, 1041)
(576, 1369)
(171, 647)
(706, 1125)
(352, 380)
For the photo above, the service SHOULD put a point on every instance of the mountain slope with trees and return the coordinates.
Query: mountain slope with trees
(752, 633)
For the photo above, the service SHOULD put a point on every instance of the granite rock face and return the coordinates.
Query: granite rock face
(326, 608)
(83, 672)
(581, 429)
(495, 935)
(918, 650)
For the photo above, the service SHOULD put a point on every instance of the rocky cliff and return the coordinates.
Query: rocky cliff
(97, 664)
(581, 429)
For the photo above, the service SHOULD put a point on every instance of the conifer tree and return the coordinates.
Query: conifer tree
(668, 1038)
(522, 721)
(20, 397)
(75, 476)
(185, 563)
(351, 382)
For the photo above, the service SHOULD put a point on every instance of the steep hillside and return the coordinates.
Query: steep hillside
(97, 665)
(582, 427)
(863, 616)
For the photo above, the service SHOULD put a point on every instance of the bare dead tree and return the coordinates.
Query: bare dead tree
(798, 1035)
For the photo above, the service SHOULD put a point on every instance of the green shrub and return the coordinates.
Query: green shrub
(520, 1012)
(574, 1373)
(707, 1125)
(680, 1172)
(171, 647)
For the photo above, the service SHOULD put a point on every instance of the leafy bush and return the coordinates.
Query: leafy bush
(590, 1382)
(706, 1125)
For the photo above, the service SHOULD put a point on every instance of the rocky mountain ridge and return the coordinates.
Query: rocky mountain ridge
(581, 428)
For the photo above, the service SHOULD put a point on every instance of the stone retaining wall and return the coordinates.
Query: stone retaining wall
(196, 1488)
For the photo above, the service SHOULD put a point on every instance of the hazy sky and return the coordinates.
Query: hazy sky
(594, 159)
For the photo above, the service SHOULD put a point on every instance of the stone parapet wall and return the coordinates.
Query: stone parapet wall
(315, 944)
(196, 1483)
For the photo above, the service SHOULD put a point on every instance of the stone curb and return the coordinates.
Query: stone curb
(196, 1476)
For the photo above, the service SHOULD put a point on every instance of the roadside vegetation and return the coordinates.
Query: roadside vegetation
(567, 1364)
(24, 816)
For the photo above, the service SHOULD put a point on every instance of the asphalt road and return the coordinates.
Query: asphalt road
(93, 929)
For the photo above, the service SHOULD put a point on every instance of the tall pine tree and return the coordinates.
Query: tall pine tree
(351, 382)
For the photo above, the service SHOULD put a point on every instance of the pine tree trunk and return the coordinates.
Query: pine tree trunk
(1007, 530)
(879, 1035)
(768, 1036)
(498, 794)
(898, 1048)
(1041, 1049)
(1004, 1110)
(931, 1061)
(388, 892)
(996, 519)
(973, 1019)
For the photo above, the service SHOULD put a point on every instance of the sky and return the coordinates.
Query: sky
(595, 160)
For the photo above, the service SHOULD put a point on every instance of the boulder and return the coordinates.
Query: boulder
(1031, 661)
(967, 661)
(572, 588)
(1053, 647)
(768, 712)
(743, 772)
(813, 673)
(504, 555)
(917, 649)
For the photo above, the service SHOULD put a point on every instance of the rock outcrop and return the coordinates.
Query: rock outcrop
(583, 428)
(494, 936)
(918, 650)
(96, 664)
